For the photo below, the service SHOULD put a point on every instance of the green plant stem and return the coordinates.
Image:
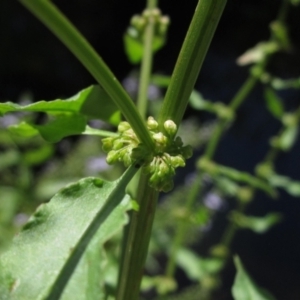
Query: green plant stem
(232, 228)
(137, 243)
(182, 226)
(191, 57)
(137, 234)
(79, 46)
(146, 66)
(221, 125)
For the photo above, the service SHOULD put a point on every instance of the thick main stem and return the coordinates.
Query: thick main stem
(137, 243)
(138, 233)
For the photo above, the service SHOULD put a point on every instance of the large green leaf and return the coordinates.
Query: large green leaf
(244, 288)
(44, 255)
(92, 102)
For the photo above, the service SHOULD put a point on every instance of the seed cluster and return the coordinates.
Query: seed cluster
(169, 152)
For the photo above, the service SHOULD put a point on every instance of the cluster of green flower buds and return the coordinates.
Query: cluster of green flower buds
(139, 22)
(168, 154)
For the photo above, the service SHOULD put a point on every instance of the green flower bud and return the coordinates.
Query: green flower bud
(127, 159)
(112, 157)
(107, 144)
(170, 127)
(160, 138)
(118, 144)
(156, 12)
(152, 124)
(163, 169)
(123, 126)
(177, 161)
(129, 134)
(164, 20)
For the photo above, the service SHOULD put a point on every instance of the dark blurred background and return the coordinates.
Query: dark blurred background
(33, 60)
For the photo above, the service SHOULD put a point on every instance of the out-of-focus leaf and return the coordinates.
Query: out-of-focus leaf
(239, 176)
(274, 103)
(256, 224)
(92, 102)
(279, 84)
(23, 129)
(295, 2)
(44, 255)
(9, 198)
(39, 155)
(288, 137)
(257, 53)
(290, 186)
(198, 102)
(162, 81)
(9, 158)
(280, 33)
(227, 186)
(134, 47)
(195, 266)
(244, 288)
(162, 284)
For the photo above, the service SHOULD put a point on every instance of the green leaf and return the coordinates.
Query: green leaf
(39, 155)
(290, 186)
(92, 102)
(288, 137)
(198, 102)
(257, 53)
(44, 255)
(23, 129)
(134, 47)
(257, 224)
(274, 103)
(196, 267)
(245, 177)
(53, 131)
(162, 81)
(244, 288)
